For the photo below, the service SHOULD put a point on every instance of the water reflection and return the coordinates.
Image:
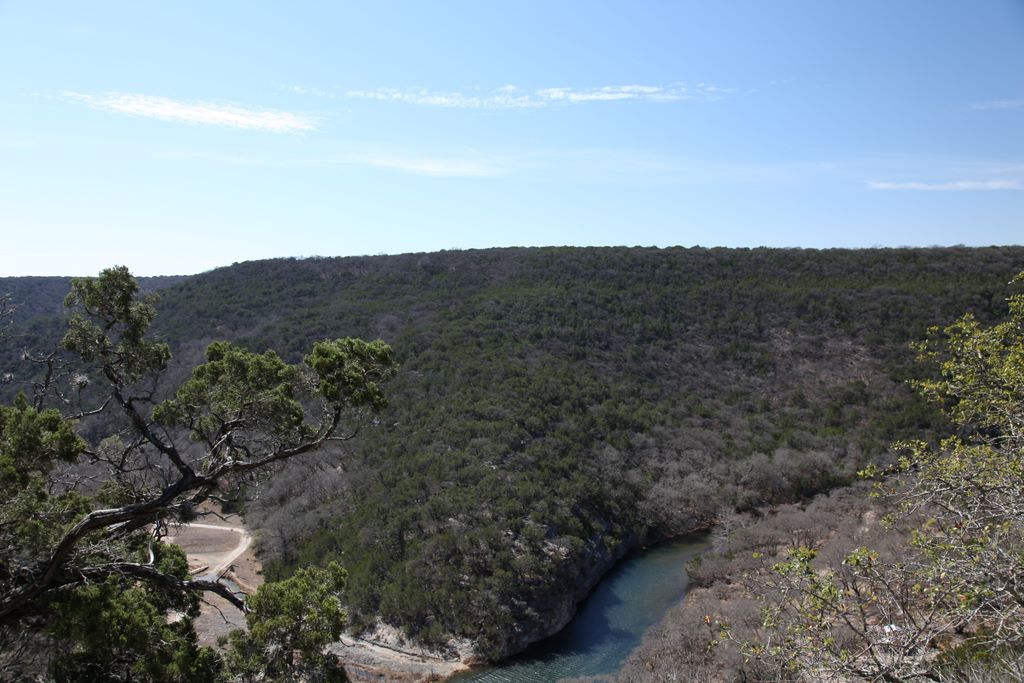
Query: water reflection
(631, 599)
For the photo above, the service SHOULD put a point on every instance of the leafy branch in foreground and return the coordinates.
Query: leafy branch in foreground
(76, 516)
(290, 623)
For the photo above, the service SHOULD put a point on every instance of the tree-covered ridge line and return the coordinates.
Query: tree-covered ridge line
(555, 406)
(420, 282)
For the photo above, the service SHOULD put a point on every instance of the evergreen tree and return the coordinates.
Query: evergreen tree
(92, 472)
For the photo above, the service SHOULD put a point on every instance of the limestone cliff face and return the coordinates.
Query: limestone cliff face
(547, 609)
(541, 611)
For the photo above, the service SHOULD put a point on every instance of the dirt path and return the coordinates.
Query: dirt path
(219, 565)
(220, 548)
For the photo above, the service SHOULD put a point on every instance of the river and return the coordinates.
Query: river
(610, 623)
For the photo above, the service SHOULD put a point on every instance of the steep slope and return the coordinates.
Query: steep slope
(557, 406)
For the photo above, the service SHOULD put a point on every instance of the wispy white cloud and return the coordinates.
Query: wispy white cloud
(430, 166)
(998, 104)
(952, 185)
(499, 100)
(304, 90)
(206, 113)
(511, 97)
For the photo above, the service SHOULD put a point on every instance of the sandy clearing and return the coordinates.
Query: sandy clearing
(220, 562)
(223, 549)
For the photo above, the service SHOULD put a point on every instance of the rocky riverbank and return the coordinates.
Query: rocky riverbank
(383, 654)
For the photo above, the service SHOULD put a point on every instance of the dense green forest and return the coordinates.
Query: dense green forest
(556, 407)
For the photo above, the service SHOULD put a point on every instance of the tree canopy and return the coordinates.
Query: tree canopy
(103, 457)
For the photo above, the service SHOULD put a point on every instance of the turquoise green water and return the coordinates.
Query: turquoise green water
(630, 599)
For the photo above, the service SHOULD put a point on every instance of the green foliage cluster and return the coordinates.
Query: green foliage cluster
(290, 623)
(33, 441)
(119, 630)
(88, 590)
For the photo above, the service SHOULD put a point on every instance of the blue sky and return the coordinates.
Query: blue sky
(177, 137)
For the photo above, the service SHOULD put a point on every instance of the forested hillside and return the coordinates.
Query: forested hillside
(556, 407)
(38, 304)
(913, 577)
(42, 297)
